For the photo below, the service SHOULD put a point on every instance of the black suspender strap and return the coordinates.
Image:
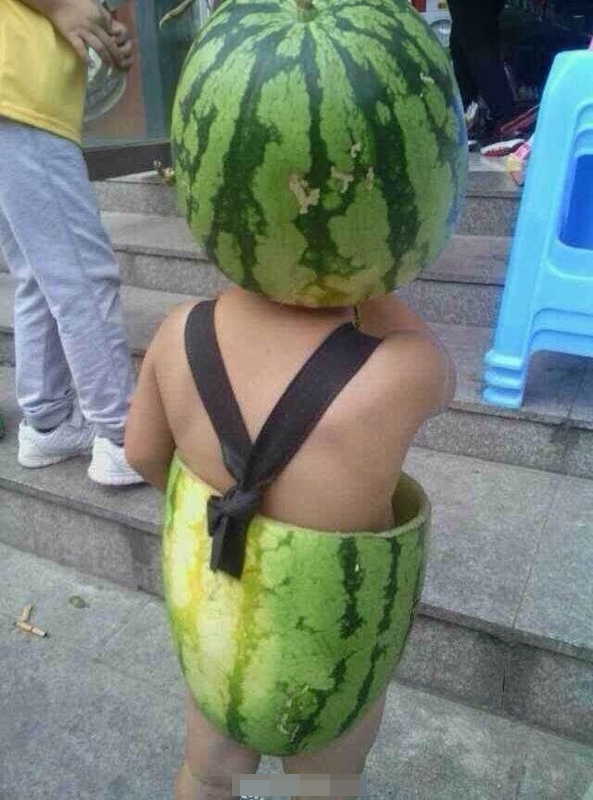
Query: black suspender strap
(214, 387)
(308, 396)
(295, 415)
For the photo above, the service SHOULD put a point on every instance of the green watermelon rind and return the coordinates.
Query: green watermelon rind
(334, 195)
(289, 657)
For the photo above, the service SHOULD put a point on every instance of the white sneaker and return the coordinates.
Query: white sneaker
(471, 114)
(74, 437)
(109, 465)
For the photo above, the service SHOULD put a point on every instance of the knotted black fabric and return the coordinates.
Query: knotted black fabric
(292, 419)
(229, 516)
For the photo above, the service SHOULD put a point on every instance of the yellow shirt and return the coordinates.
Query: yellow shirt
(42, 80)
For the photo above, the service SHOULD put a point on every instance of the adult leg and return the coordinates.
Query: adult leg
(211, 760)
(478, 34)
(347, 755)
(43, 381)
(467, 85)
(50, 206)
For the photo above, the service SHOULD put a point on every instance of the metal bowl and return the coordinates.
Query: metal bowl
(105, 87)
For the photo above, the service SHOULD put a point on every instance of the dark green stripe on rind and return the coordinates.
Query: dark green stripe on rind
(408, 66)
(380, 648)
(305, 728)
(353, 579)
(188, 161)
(321, 253)
(236, 209)
(235, 29)
(390, 164)
(418, 586)
(390, 591)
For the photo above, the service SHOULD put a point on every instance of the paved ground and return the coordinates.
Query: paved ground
(94, 711)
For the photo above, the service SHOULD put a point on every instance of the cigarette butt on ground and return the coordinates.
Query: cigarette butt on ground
(26, 613)
(25, 626)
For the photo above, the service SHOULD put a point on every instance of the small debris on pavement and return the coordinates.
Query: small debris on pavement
(23, 623)
(78, 602)
(166, 174)
(25, 626)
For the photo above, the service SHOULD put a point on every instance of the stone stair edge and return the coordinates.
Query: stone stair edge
(483, 182)
(92, 507)
(138, 526)
(456, 264)
(146, 307)
(453, 265)
(510, 636)
(138, 510)
(492, 200)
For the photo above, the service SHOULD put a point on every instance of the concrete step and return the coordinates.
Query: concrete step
(464, 286)
(505, 622)
(491, 205)
(492, 200)
(552, 431)
(144, 193)
(70, 739)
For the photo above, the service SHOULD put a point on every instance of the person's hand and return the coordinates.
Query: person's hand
(84, 23)
(125, 47)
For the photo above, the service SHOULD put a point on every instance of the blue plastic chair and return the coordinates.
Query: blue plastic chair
(548, 298)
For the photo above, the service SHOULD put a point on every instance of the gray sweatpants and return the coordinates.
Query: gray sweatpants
(69, 335)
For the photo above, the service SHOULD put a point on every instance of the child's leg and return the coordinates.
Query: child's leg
(211, 760)
(347, 755)
(50, 207)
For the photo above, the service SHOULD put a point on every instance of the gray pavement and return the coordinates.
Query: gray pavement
(96, 710)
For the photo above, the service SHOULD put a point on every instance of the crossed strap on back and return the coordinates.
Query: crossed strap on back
(299, 409)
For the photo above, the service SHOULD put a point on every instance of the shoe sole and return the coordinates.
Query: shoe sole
(521, 122)
(471, 122)
(501, 149)
(35, 462)
(114, 479)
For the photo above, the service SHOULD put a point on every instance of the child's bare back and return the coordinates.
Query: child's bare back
(343, 476)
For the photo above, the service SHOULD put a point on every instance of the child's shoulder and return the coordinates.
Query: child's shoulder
(169, 335)
(421, 372)
(414, 365)
(175, 320)
(178, 314)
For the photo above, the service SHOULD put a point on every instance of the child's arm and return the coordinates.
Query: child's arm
(419, 352)
(149, 443)
(83, 23)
